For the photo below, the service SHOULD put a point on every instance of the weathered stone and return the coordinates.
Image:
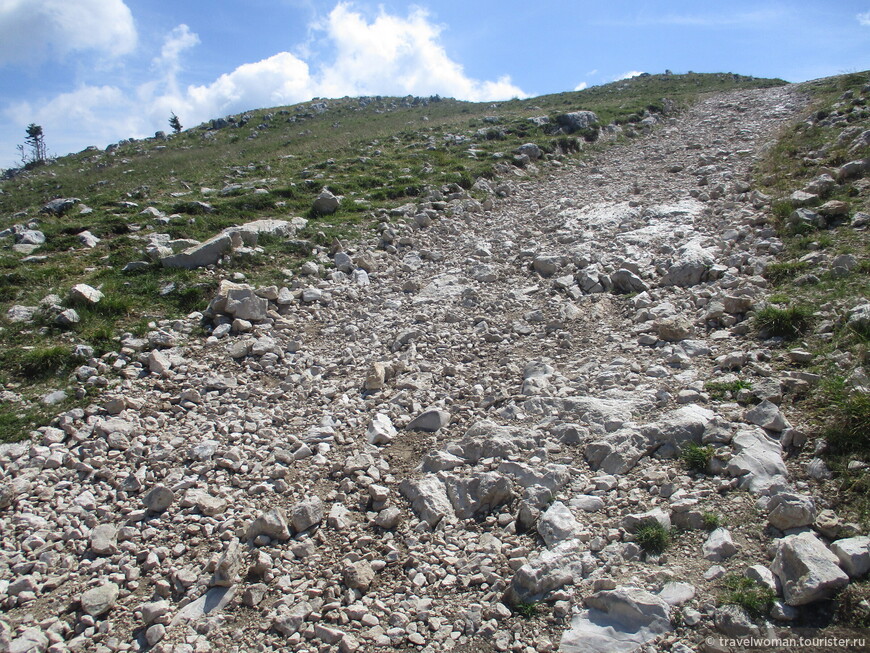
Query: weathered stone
(207, 253)
(428, 498)
(768, 416)
(272, 523)
(158, 499)
(557, 523)
(757, 460)
(103, 540)
(326, 203)
(807, 570)
(85, 294)
(97, 601)
(431, 420)
(306, 513)
(359, 575)
(786, 510)
(617, 621)
(477, 494)
(380, 430)
(719, 545)
(577, 121)
(689, 267)
(853, 554)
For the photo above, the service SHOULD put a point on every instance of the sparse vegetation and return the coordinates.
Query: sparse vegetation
(695, 457)
(527, 610)
(726, 389)
(787, 323)
(711, 521)
(652, 537)
(753, 597)
(822, 141)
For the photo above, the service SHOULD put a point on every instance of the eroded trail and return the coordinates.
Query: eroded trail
(554, 350)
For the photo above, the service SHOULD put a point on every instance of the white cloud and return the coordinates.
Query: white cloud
(864, 19)
(628, 75)
(169, 61)
(89, 115)
(398, 56)
(581, 86)
(389, 55)
(33, 30)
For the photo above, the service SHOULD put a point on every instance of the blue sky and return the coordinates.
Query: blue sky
(92, 72)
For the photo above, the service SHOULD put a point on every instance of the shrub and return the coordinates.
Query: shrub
(696, 457)
(652, 537)
(711, 521)
(787, 323)
(753, 597)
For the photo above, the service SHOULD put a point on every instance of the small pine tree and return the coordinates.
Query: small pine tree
(175, 123)
(34, 153)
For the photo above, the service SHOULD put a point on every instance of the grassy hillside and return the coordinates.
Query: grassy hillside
(824, 273)
(376, 152)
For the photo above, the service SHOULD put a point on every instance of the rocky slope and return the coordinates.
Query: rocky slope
(458, 437)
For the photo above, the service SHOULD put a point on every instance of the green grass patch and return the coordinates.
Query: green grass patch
(711, 521)
(778, 273)
(753, 597)
(787, 323)
(527, 610)
(37, 363)
(726, 389)
(695, 457)
(849, 430)
(652, 537)
(15, 422)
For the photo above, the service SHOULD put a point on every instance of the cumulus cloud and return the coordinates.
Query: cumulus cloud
(628, 75)
(97, 115)
(398, 56)
(864, 19)
(581, 86)
(169, 61)
(34, 30)
(389, 55)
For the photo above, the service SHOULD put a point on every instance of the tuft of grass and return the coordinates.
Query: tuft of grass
(849, 430)
(787, 323)
(695, 457)
(853, 605)
(652, 537)
(711, 521)
(753, 597)
(777, 273)
(725, 389)
(527, 610)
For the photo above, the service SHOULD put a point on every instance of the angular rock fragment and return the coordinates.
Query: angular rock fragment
(617, 621)
(430, 421)
(807, 570)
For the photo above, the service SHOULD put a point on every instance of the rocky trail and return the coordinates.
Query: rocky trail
(449, 440)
